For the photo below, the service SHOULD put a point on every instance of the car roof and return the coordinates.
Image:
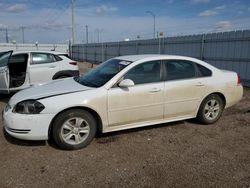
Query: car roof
(145, 56)
(152, 57)
(37, 51)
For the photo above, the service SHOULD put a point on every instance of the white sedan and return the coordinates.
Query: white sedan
(22, 69)
(121, 93)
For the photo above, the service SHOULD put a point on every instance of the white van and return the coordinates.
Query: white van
(22, 69)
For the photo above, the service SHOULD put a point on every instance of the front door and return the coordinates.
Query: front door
(142, 102)
(4, 71)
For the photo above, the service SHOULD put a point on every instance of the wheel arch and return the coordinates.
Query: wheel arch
(68, 73)
(93, 112)
(221, 95)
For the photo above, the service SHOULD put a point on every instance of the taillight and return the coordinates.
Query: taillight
(238, 80)
(73, 63)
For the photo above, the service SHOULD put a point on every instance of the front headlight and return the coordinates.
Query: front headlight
(28, 107)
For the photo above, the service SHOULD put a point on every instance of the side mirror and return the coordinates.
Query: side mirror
(126, 83)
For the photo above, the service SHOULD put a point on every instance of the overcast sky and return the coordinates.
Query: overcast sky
(48, 21)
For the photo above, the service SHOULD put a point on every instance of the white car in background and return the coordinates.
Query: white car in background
(22, 69)
(121, 93)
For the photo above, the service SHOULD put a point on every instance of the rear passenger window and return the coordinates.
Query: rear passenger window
(41, 58)
(203, 71)
(179, 69)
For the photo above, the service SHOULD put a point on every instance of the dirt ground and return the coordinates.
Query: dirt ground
(180, 154)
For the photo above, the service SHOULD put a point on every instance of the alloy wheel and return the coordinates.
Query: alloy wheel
(212, 109)
(75, 130)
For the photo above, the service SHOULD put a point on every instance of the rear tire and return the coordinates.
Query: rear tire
(74, 129)
(210, 109)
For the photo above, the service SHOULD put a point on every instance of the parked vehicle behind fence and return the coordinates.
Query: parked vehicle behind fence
(123, 92)
(22, 69)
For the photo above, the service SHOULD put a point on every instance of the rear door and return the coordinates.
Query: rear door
(43, 67)
(4, 70)
(183, 89)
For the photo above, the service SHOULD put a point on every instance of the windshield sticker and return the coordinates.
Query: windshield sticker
(125, 63)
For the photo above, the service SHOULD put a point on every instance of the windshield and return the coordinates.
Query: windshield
(4, 58)
(100, 75)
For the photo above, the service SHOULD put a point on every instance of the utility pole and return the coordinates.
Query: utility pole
(87, 34)
(98, 32)
(73, 20)
(7, 35)
(161, 35)
(153, 15)
(22, 28)
(98, 35)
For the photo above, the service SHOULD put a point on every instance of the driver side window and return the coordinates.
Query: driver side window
(144, 73)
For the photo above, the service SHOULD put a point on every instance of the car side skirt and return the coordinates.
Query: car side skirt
(144, 124)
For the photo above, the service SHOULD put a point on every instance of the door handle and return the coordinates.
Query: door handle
(154, 90)
(199, 84)
(52, 66)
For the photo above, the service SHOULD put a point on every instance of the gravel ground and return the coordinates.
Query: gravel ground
(180, 154)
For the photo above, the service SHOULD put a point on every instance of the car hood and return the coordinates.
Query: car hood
(57, 87)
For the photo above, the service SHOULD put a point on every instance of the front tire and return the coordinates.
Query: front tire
(74, 129)
(210, 109)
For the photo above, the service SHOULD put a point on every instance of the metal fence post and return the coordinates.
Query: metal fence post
(95, 53)
(86, 52)
(105, 52)
(78, 52)
(137, 46)
(163, 45)
(202, 46)
(119, 52)
(83, 51)
(159, 50)
(102, 53)
(70, 50)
